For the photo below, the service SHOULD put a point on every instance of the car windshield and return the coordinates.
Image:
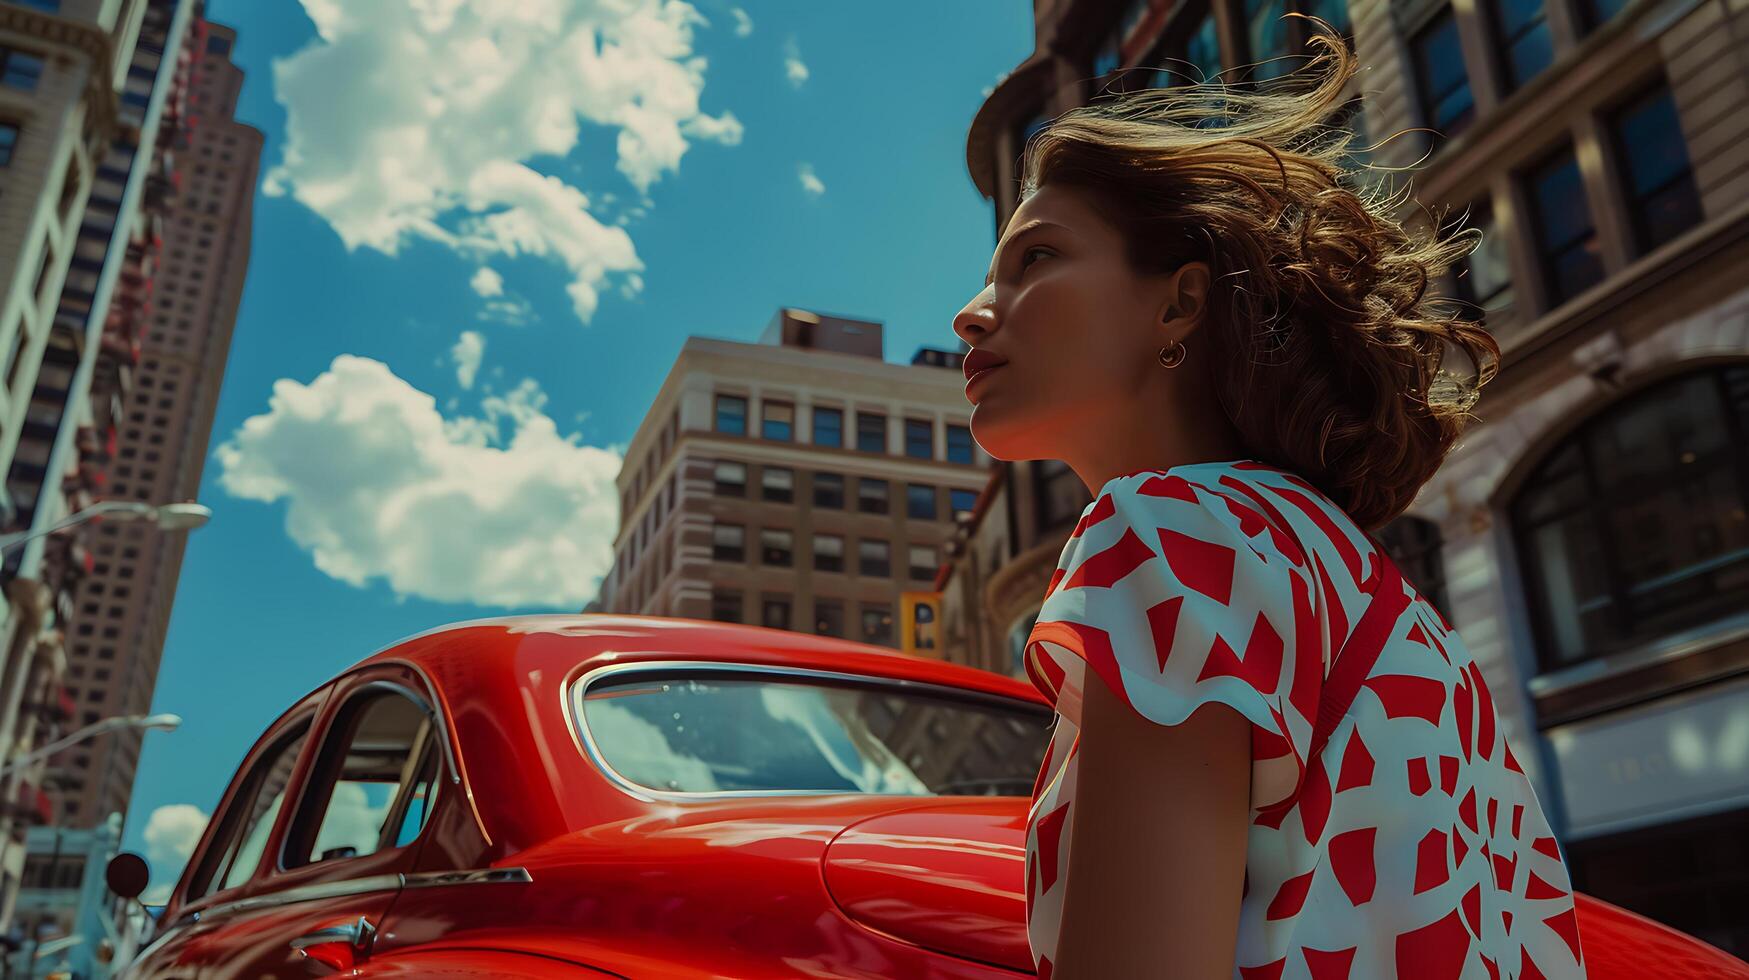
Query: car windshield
(740, 733)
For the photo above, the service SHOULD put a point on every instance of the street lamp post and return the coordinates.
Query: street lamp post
(165, 722)
(168, 517)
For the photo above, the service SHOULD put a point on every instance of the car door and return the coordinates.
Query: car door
(329, 871)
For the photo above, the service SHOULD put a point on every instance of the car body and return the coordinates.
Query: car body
(524, 797)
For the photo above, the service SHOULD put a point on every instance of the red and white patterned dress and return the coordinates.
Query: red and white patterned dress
(1399, 838)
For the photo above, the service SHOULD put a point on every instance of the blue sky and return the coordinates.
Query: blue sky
(427, 442)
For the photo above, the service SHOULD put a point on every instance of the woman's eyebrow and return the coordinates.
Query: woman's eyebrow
(1021, 232)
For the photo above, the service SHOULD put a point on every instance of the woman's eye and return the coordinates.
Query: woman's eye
(1024, 256)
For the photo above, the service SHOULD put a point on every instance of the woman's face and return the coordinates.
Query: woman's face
(1079, 332)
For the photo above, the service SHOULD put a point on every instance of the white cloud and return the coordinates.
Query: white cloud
(810, 183)
(487, 282)
(379, 485)
(743, 23)
(793, 69)
(411, 119)
(466, 354)
(171, 834)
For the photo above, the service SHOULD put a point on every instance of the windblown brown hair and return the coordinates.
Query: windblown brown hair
(1326, 341)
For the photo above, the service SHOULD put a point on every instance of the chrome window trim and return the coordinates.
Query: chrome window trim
(482, 876)
(359, 886)
(580, 722)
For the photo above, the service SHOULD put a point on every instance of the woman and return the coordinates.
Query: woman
(1282, 762)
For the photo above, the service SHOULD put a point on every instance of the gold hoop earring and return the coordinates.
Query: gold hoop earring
(1172, 356)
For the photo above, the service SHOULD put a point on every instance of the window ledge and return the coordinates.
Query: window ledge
(1643, 673)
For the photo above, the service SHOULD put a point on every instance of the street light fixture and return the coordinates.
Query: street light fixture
(165, 722)
(168, 517)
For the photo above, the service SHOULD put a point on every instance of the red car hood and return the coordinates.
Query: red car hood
(950, 877)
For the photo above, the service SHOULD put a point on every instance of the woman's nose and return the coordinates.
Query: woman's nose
(977, 320)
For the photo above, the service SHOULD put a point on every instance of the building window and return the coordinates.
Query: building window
(871, 495)
(1634, 528)
(871, 432)
(829, 490)
(1266, 38)
(777, 484)
(920, 501)
(1060, 494)
(1566, 241)
(922, 562)
(1525, 46)
(7, 142)
(19, 69)
(874, 558)
(920, 438)
(1189, 57)
(961, 502)
(959, 444)
(1596, 13)
(726, 605)
(828, 552)
(829, 427)
(731, 479)
(777, 420)
(728, 542)
(1414, 545)
(774, 612)
(1441, 80)
(776, 547)
(1654, 162)
(1484, 277)
(877, 624)
(829, 617)
(732, 415)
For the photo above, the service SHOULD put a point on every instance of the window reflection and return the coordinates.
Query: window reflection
(710, 734)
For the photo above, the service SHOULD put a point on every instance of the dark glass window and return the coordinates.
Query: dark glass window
(1027, 130)
(1484, 277)
(920, 438)
(777, 420)
(871, 496)
(871, 432)
(1566, 241)
(874, 558)
(774, 612)
(218, 45)
(732, 415)
(829, 617)
(829, 490)
(728, 542)
(1525, 46)
(1060, 494)
(1414, 545)
(1654, 162)
(1441, 80)
(777, 484)
(920, 501)
(828, 552)
(8, 142)
(726, 605)
(959, 444)
(829, 427)
(372, 785)
(877, 624)
(20, 69)
(1633, 527)
(731, 478)
(1596, 13)
(922, 562)
(1267, 39)
(242, 837)
(962, 501)
(1333, 12)
(776, 547)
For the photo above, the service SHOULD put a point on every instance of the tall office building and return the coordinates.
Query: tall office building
(123, 606)
(1590, 538)
(92, 96)
(802, 482)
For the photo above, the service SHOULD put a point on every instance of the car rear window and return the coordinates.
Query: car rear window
(772, 733)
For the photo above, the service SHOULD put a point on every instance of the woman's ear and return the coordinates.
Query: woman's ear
(1185, 299)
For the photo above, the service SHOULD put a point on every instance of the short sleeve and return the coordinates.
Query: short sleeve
(1180, 593)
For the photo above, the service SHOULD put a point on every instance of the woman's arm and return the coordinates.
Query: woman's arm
(1157, 847)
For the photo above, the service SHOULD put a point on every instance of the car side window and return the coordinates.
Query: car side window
(246, 827)
(373, 785)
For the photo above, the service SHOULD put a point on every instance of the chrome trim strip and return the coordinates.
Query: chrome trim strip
(580, 688)
(436, 705)
(487, 876)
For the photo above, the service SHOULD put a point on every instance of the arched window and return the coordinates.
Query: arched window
(1634, 527)
(1413, 543)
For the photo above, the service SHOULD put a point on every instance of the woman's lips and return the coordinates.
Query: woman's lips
(980, 374)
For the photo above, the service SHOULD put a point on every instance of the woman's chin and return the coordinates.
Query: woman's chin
(1004, 439)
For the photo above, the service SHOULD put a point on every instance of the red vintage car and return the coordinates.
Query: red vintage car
(600, 795)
